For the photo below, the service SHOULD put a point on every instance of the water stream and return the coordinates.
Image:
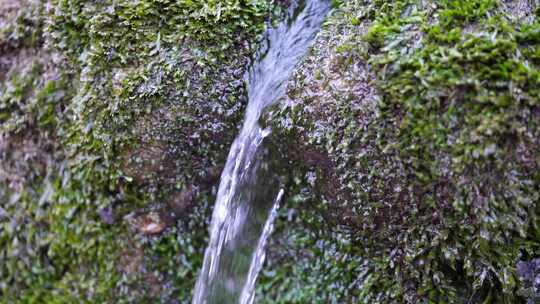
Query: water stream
(249, 192)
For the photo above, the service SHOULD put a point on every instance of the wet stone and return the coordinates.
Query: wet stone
(529, 275)
(107, 216)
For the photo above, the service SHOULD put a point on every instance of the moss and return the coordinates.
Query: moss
(89, 89)
(433, 145)
(411, 132)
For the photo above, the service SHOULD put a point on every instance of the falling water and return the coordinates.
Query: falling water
(249, 193)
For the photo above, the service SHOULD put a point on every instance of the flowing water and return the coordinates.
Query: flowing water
(249, 192)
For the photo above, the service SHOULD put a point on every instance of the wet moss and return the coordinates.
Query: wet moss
(411, 132)
(434, 151)
(109, 110)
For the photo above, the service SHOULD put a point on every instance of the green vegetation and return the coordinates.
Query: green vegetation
(412, 134)
(109, 110)
(424, 119)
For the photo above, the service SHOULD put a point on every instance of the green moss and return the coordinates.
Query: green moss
(432, 141)
(93, 91)
(460, 128)
(411, 129)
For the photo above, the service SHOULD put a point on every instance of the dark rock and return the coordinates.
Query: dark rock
(107, 215)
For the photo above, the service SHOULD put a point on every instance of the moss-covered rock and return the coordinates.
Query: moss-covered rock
(424, 117)
(115, 119)
(412, 135)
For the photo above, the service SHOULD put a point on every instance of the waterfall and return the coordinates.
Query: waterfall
(249, 192)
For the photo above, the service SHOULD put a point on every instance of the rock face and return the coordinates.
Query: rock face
(110, 109)
(412, 134)
(425, 114)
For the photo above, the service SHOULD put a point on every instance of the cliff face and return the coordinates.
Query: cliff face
(412, 134)
(422, 122)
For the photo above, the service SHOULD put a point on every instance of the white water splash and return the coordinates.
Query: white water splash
(245, 210)
(248, 295)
